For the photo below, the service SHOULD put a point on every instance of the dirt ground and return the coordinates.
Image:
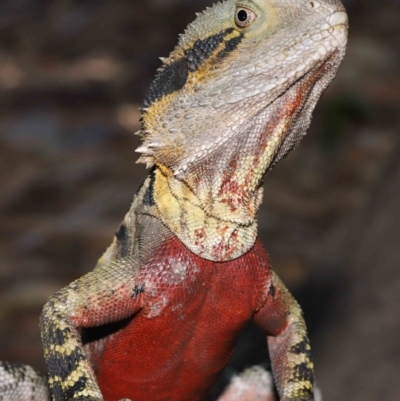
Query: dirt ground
(72, 77)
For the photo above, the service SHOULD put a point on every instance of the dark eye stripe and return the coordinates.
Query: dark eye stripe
(230, 46)
(174, 76)
(204, 48)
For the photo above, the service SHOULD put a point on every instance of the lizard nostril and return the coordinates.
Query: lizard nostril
(313, 5)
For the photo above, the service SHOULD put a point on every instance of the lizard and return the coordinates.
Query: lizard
(158, 317)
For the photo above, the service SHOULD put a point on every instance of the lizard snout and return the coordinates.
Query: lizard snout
(338, 18)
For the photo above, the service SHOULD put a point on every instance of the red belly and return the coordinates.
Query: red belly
(176, 346)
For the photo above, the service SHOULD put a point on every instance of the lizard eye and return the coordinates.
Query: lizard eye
(244, 17)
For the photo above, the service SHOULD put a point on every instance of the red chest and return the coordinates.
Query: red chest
(174, 348)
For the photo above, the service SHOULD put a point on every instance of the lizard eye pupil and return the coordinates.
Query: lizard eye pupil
(244, 17)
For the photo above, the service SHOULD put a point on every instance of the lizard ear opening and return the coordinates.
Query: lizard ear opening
(244, 17)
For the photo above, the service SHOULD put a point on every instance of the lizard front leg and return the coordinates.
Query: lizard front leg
(289, 347)
(103, 296)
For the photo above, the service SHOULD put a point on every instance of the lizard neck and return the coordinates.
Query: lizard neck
(216, 231)
(212, 205)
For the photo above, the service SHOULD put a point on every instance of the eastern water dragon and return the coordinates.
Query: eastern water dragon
(158, 317)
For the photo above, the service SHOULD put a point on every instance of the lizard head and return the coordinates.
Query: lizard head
(237, 93)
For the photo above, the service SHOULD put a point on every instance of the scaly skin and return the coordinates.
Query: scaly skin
(158, 317)
(22, 383)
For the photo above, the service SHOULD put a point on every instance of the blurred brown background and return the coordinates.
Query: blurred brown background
(72, 77)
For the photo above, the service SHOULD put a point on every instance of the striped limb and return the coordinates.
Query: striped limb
(103, 296)
(282, 320)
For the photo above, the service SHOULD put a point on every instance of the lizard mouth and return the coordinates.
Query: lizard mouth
(294, 107)
(287, 116)
(305, 91)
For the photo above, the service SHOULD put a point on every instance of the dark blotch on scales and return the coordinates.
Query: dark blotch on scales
(172, 78)
(204, 48)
